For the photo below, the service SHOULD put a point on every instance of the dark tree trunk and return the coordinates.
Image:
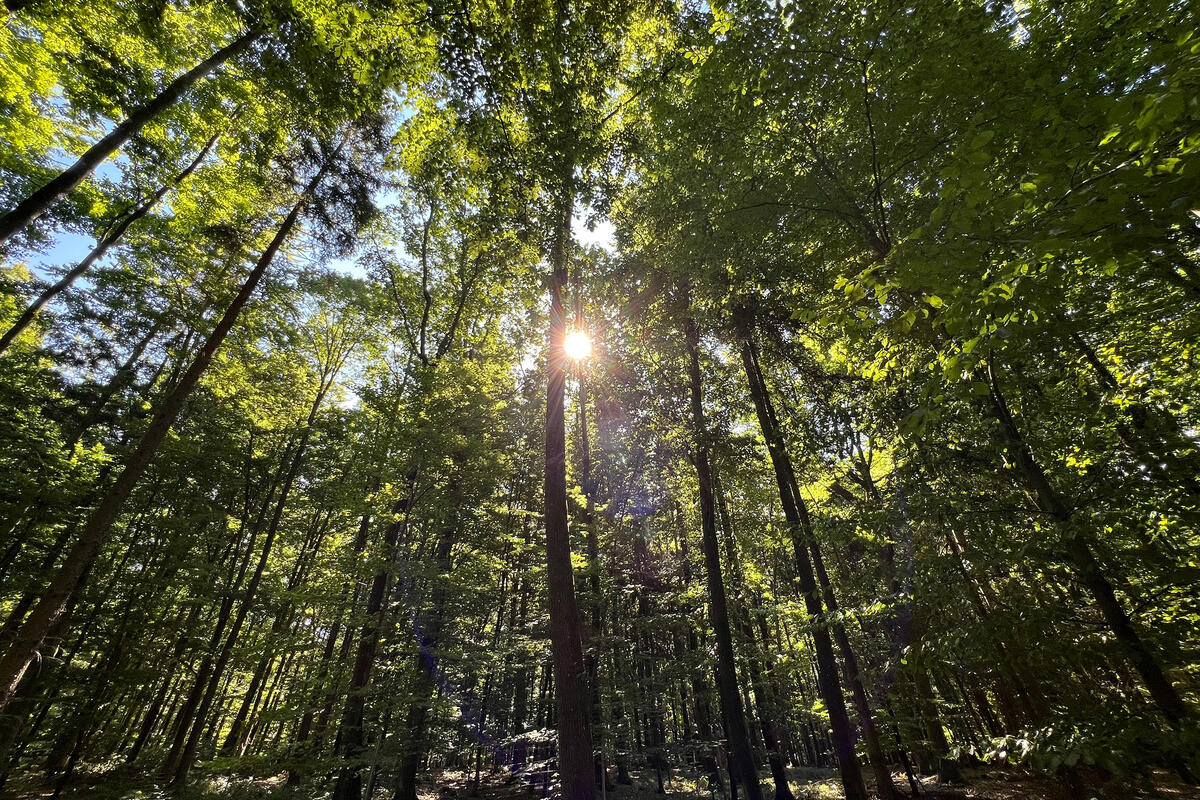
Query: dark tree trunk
(152, 713)
(350, 734)
(764, 692)
(596, 630)
(862, 705)
(741, 758)
(934, 727)
(122, 379)
(235, 740)
(106, 243)
(37, 203)
(327, 658)
(576, 765)
(185, 714)
(429, 624)
(95, 531)
(1082, 558)
(188, 754)
(827, 672)
(304, 730)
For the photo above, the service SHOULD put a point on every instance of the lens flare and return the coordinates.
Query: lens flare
(577, 345)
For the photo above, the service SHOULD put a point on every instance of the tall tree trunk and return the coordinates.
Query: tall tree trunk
(764, 699)
(234, 740)
(304, 730)
(107, 241)
(742, 765)
(188, 755)
(95, 531)
(521, 681)
(862, 705)
(37, 203)
(764, 691)
(350, 734)
(430, 623)
(187, 710)
(596, 630)
(1079, 553)
(935, 729)
(827, 672)
(327, 666)
(151, 716)
(576, 765)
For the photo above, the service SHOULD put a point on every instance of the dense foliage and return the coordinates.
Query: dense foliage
(884, 462)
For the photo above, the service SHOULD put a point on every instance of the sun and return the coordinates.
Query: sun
(577, 345)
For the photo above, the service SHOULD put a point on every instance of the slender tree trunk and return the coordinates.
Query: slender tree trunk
(151, 716)
(95, 531)
(37, 203)
(188, 755)
(827, 672)
(764, 699)
(1079, 553)
(186, 712)
(576, 765)
(764, 693)
(596, 630)
(741, 758)
(521, 682)
(699, 689)
(350, 734)
(934, 726)
(429, 626)
(107, 241)
(1010, 680)
(233, 740)
(862, 705)
(328, 662)
(322, 675)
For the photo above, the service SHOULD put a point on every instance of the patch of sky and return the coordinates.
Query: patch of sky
(591, 230)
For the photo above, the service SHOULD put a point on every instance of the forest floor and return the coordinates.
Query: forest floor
(993, 784)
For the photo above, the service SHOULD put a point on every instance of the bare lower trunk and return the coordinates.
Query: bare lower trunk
(350, 734)
(796, 515)
(743, 768)
(429, 626)
(575, 762)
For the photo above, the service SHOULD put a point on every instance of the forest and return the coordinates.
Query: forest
(600, 399)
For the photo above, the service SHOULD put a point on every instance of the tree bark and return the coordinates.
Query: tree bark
(429, 626)
(592, 655)
(350, 734)
(576, 765)
(107, 241)
(827, 672)
(188, 755)
(862, 705)
(95, 531)
(741, 757)
(1081, 556)
(37, 203)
